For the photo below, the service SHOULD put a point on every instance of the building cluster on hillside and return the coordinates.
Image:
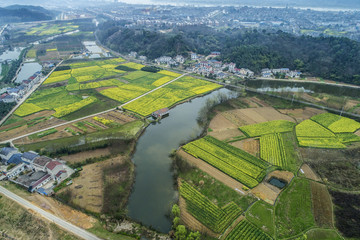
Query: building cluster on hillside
(14, 94)
(286, 72)
(169, 61)
(32, 171)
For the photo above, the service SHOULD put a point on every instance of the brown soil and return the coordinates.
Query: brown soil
(309, 173)
(65, 212)
(87, 191)
(250, 145)
(45, 113)
(82, 156)
(357, 132)
(192, 222)
(241, 117)
(217, 174)
(223, 129)
(268, 192)
(350, 104)
(322, 205)
(302, 114)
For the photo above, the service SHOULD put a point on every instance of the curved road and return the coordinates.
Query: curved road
(62, 223)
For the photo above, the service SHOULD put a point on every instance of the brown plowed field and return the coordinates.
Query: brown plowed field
(250, 145)
(192, 222)
(241, 117)
(309, 173)
(223, 129)
(302, 114)
(322, 205)
(214, 172)
(87, 191)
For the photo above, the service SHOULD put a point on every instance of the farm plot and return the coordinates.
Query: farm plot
(322, 205)
(276, 126)
(133, 65)
(278, 150)
(293, 210)
(168, 73)
(170, 95)
(337, 124)
(246, 230)
(93, 85)
(312, 134)
(261, 215)
(236, 163)
(125, 92)
(215, 218)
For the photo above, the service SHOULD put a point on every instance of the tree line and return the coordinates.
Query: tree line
(327, 57)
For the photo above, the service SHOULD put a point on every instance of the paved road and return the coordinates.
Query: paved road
(28, 94)
(62, 223)
(92, 115)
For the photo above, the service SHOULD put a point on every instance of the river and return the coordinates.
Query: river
(153, 192)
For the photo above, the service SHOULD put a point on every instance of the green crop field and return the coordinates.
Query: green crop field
(312, 134)
(276, 126)
(246, 230)
(279, 149)
(170, 95)
(236, 163)
(293, 210)
(261, 214)
(51, 29)
(215, 218)
(336, 123)
(43, 134)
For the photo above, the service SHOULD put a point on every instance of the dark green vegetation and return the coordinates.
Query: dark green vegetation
(329, 58)
(347, 213)
(246, 230)
(17, 223)
(5, 108)
(150, 69)
(24, 13)
(340, 168)
(293, 213)
(117, 188)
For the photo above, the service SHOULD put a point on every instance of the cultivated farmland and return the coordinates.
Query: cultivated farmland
(215, 218)
(276, 126)
(236, 163)
(246, 230)
(336, 123)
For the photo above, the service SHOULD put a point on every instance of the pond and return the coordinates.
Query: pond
(277, 182)
(27, 70)
(10, 54)
(153, 192)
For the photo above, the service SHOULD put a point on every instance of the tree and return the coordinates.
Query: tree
(193, 236)
(180, 233)
(176, 222)
(175, 210)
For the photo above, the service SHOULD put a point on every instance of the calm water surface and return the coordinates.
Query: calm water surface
(27, 70)
(153, 193)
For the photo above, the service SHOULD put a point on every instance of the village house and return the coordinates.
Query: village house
(194, 56)
(39, 183)
(143, 58)
(39, 163)
(53, 168)
(133, 54)
(28, 157)
(180, 59)
(7, 152)
(15, 171)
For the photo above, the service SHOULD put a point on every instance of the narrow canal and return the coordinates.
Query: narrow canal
(153, 193)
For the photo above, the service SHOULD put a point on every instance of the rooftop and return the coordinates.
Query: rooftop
(7, 150)
(51, 165)
(30, 155)
(42, 160)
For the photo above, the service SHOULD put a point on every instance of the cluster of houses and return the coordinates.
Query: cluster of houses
(286, 72)
(169, 61)
(135, 55)
(14, 94)
(32, 171)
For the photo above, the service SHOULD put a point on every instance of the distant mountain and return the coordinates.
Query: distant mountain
(336, 4)
(24, 13)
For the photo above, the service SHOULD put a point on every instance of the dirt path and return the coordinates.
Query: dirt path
(309, 173)
(217, 174)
